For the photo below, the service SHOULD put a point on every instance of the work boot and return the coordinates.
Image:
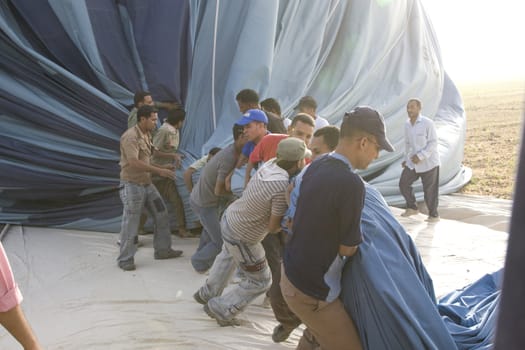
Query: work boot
(198, 298)
(280, 333)
(409, 212)
(223, 322)
(127, 265)
(167, 254)
(432, 219)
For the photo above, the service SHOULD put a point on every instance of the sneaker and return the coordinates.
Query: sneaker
(199, 299)
(167, 254)
(223, 322)
(280, 334)
(127, 265)
(409, 212)
(136, 241)
(432, 219)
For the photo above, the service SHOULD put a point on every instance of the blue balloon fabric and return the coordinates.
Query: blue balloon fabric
(390, 295)
(69, 69)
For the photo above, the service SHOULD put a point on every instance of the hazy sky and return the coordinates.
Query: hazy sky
(481, 40)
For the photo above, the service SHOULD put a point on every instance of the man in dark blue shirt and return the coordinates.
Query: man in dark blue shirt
(326, 230)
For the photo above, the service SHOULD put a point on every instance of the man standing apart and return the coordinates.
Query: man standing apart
(326, 230)
(421, 161)
(244, 225)
(204, 200)
(166, 142)
(137, 191)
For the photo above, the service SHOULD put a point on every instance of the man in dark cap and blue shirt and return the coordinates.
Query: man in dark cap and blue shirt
(326, 230)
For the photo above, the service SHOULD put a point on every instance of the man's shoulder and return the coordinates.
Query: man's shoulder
(271, 138)
(130, 134)
(320, 121)
(426, 119)
(329, 169)
(224, 154)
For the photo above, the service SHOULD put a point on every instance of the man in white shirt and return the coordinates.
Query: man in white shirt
(421, 161)
(308, 105)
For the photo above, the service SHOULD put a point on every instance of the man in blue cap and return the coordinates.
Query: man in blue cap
(255, 124)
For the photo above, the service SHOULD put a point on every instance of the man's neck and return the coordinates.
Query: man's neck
(142, 129)
(345, 151)
(237, 146)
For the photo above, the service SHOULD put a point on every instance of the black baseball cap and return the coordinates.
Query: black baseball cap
(369, 120)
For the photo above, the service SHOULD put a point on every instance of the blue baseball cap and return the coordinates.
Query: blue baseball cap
(253, 115)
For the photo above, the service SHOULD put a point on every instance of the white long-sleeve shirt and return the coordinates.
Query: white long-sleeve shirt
(421, 140)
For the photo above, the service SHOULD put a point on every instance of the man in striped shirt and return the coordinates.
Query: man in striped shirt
(244, 225)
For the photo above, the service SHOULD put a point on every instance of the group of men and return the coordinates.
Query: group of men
(295, 224)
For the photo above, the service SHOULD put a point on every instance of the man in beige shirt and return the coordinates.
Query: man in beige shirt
(166, 143)
(137, 191)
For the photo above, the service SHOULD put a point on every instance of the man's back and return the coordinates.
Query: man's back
(216, 169)
(249, 215)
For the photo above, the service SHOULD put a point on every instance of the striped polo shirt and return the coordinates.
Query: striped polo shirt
(248, 216)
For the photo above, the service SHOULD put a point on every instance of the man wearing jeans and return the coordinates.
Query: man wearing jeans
(244, 225)
(204, 200)
(137, 191)
(421, 161)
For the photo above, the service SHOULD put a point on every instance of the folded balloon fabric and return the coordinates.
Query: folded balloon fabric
(390, 295)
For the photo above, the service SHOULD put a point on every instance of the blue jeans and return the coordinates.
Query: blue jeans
(210, 243)
(135, 198)
(251, 259)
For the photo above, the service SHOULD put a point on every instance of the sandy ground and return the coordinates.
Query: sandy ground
(77, 298)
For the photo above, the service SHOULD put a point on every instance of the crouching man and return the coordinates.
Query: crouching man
(244, 225)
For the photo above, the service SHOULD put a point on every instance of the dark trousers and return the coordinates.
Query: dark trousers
(273, 247)
(168, 191)
(430, 180)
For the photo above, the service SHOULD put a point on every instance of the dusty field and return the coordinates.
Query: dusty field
(494, 121)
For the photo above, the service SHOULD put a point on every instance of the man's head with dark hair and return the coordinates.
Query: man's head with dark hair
(176, 117)
(239, 137)
(302, 127)
(145, 111)
(324, 141)
(247, 99)
(237, 131)
(147, 118)
(308, 105)
(271, 105)
(417, 101)
(366, 120)
(330, 135)
(303, 118)
(214, 151)
(413, 108)
(362, 136)
(142, 98)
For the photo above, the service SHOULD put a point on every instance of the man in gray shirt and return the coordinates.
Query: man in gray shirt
(204, 200)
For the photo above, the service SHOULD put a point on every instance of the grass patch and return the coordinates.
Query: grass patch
(494, 121)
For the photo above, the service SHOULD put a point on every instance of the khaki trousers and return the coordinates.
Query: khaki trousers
(329, 323)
